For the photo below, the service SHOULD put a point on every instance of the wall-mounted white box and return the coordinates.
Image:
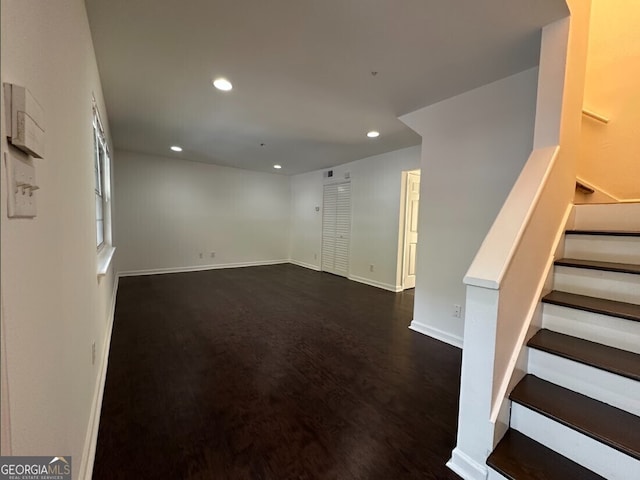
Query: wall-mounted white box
(26, 118)
(21, 186)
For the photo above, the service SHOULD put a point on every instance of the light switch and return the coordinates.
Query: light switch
(21, 188)
(26, 118)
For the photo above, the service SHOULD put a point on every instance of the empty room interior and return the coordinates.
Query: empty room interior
(332, 239)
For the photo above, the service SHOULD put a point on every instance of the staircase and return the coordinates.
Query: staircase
(576, 413)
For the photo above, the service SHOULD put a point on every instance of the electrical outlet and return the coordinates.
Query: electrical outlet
(200, 255)
(213, 254)
(315, 256)
(457, 311)
(93, 353)
(371, 267)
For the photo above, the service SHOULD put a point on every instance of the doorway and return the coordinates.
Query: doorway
(409, 228)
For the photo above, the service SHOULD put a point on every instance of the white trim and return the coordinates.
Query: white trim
(436, 333)
(466, 467)
(305, 265)
(199, 268)
(5, 410)
(374, 283)
(91, 439)
(105, 255)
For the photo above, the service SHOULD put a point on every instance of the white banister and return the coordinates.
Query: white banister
(504, 285)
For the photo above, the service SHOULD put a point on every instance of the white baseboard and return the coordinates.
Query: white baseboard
(374, 283)
(91, 440)
(199, 268)
(436, 333)
(305, 265)
(466, 467)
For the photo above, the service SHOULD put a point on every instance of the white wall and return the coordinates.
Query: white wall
(168, 211)
(375, 214)
(306, 222)
(473, 148)
(53, 306)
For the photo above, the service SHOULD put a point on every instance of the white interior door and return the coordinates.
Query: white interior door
(411, 229)
(336, 228)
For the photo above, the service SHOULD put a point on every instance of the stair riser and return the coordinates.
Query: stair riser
(621, 392)
(590, 453)
(622, 216)
(612, 331)
(622, 287)
(493, 475)
(602, 248)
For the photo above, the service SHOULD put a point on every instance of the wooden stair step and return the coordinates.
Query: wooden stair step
(610, 359)
(597, 265)
(604, 423)
(628, 311)
(584, 188)
(518, 457)
(604, 233)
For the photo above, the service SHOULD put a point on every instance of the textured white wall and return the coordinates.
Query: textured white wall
(53, 306)
(375, 213)
(168, 211)
(473, 148)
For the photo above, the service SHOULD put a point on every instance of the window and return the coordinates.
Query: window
(102, 168)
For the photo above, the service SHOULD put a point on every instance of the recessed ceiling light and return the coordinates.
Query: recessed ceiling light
(222, 84)
(176, 148)
(373, 134)
(277, 167)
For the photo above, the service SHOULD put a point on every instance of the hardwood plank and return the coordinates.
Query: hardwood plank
(275, 372)
(602, 422)
(596, 265)
(518, 457)
(614, 360)
(629, 311)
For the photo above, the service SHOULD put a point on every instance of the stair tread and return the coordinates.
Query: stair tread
(519, 457)
(604, 423)
(584, 188)
(598, 265)
(612, 233)
(614, 360)
(629, 311)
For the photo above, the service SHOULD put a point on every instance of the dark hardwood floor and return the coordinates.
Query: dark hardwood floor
(274, 372)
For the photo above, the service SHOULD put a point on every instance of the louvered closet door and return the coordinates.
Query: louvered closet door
(336, 228)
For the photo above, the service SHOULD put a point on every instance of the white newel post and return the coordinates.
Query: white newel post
(475, 430)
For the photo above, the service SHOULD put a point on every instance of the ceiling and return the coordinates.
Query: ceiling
(301, 71)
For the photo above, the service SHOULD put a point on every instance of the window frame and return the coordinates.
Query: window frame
(102, 192)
